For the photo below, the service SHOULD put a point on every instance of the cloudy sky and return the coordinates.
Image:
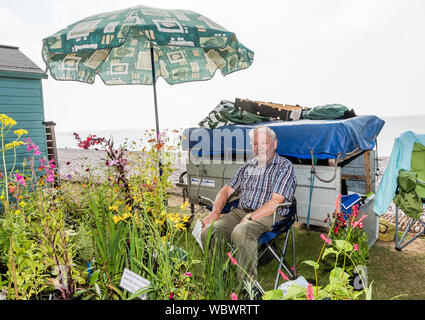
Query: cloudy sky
(365, 54)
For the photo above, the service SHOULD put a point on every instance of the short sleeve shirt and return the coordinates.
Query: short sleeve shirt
(257, 185)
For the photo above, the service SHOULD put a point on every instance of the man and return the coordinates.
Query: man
(262, 182)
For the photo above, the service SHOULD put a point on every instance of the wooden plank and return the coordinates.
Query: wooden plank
(20, 83)
(352, 177)
(20, 92)
(20, 108)
(20, 100)
(367, 172)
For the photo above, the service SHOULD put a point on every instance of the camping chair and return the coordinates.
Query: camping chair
(410, 194)
(268, 240)
(268, 248)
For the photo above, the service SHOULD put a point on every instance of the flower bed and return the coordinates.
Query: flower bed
(74, 241)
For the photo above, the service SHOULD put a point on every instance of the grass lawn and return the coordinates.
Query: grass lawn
(395, 274)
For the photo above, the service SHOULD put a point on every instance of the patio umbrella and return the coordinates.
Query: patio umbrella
(139, 44)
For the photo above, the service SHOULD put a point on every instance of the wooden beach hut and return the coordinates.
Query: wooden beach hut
(21, 97)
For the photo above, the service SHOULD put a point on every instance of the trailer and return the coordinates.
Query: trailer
(330, 157)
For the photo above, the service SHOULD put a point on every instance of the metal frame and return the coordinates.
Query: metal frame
(281, 259)
(398, 244)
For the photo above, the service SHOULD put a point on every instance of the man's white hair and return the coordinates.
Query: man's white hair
(271, 133)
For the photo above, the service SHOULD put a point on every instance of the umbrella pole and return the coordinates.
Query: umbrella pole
(154, 94)
(158, 137)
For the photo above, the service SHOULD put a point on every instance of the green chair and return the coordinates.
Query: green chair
(410, 195)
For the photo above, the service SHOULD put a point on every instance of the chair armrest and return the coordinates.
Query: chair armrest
(206, 199)
(281, 205)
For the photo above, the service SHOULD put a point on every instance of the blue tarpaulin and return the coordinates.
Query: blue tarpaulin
(325, 138)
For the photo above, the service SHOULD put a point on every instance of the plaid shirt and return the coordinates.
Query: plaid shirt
(257, 185)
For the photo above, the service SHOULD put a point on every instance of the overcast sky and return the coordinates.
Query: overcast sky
(365, 54)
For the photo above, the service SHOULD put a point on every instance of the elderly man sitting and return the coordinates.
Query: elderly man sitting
(262, 182)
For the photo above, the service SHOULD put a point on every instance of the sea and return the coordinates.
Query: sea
(394, 126)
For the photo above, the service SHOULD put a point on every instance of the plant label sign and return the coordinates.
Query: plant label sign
(132, 282)
(197, 229)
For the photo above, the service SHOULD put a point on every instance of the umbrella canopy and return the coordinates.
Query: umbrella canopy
(119, 46)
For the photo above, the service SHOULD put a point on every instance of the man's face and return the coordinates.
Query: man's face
(263, 146)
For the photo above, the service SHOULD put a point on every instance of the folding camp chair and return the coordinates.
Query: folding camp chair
(411, 202)
(399, 244)
(268, 241)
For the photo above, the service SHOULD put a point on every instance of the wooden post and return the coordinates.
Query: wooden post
(367, 172)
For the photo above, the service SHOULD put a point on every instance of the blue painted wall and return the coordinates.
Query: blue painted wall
(21, 97)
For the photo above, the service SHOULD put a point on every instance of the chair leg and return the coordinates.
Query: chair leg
(396, 229)
(398, 244)
(293, 252)
(282, 262)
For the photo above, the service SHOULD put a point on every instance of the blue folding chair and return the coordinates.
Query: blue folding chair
(268, 240)
(268, 248)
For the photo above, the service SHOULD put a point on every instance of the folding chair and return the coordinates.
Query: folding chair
(410, 195)
(399, 244)
(268, 240)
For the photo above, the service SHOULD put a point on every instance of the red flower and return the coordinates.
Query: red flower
(233, 260)
(324, 238)
(309, 292)
(284, 276)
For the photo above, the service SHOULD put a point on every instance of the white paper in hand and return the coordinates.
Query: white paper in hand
(197, 229)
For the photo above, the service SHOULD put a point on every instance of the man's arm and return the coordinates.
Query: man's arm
(267, 208)
(219, 203)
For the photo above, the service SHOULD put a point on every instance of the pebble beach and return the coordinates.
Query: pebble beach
(76, 164)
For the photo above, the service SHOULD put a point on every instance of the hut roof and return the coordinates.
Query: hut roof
(13, 60)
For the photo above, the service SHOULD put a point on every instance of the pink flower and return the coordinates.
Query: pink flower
(284, 276)
(20, 179)
(187, 274)
(309, 292)
(233, 260)
(359, 223)
(234, 296)
(324, 238)
(171, 296)
(355, 247)
(355, 210)
(50, 178)
(337, 202)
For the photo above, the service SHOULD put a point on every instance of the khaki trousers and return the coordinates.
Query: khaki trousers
(243, 237)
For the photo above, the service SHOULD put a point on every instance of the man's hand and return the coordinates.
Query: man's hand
(219, 202)
(210, 218)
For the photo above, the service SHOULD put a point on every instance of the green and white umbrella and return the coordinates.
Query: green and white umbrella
(128, 47)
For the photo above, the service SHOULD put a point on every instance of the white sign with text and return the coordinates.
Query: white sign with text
(132, 282)
(197, 229)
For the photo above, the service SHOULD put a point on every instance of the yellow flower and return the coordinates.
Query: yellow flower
(181, 226)
(13, 145)
(17, 211)
(157, 221)
(7, 121)
(20, 132)
(174, 217)
(22, 204)
(184, 205)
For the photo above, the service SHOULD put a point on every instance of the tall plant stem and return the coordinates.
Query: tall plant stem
(6, 207)
(13, 268)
